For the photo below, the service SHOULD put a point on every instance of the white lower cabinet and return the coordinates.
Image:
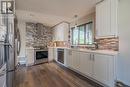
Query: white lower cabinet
(55, 54)
(99, 67)
(69, 59)
(75, 60)
(103, 69)
(50, 54)
(86, 63)
(30, 57)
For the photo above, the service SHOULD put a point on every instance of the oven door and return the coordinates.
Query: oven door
(41, 56)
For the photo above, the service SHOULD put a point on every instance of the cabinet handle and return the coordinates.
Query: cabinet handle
(90, 57)
(70, 52)
(93, 58)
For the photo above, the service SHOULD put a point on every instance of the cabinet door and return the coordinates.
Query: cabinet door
(103, 16)
(86, 63)
(101, 68)
(51, 54)
(66, 31)
(61, 32)
(55, 54)
(99, 8)
(114, 11)
(75, 60)
(30, 57)
(69, 59)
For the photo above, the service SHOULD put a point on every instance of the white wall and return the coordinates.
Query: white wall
(22, 29)
(124, 42)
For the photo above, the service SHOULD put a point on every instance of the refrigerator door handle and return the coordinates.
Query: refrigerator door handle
(7, 44)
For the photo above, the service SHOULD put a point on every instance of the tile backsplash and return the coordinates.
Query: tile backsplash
(104, 44)
(108, 43)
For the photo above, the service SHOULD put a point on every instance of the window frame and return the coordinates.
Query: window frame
(72, 29)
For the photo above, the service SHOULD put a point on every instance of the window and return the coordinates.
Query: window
(83, 34)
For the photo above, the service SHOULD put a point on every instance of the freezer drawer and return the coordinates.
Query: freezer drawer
(10, 79)
(3, 76)
(3, 80)
(10, 59)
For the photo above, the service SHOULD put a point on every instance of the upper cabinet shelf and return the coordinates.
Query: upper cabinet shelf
(106, 19)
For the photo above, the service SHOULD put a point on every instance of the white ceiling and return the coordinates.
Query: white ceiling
(51, 12)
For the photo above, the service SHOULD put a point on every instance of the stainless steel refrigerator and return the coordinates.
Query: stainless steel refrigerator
(10, 51)
(2, 54)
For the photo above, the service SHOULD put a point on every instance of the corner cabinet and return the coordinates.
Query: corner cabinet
(103, 69)
(106, 19)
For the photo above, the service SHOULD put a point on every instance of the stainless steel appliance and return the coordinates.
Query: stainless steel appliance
(2, 57)
(9, 51)
(7, 59)
(41, 56)
(60, 56)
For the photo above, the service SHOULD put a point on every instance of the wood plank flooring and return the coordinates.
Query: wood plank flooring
(50, 75)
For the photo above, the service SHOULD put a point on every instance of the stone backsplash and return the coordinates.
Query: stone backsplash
(108, 43)
(103, 44)
(37, 35)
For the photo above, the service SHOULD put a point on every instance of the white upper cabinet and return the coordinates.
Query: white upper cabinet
(114, 15)
(106, 19)
(61, 32)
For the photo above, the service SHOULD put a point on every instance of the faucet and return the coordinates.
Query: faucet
(96, 45)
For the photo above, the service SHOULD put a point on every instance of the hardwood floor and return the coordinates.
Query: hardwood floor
(50, 75)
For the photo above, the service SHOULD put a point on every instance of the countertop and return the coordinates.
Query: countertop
(105, 52)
